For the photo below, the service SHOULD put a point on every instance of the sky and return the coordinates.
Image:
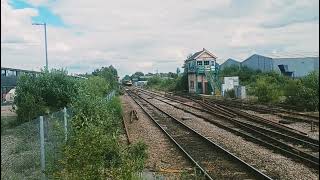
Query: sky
(152, 35)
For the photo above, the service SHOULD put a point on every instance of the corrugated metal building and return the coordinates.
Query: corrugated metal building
(258, 62)
(297, 66)
(229, 62)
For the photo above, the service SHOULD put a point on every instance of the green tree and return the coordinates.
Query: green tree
(303, 92)
(126, 78)
(182, 83)
(110, 74)
(138, 74)
(246, 75)
(45, 93)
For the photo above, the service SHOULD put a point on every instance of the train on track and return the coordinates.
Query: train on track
(127, 83)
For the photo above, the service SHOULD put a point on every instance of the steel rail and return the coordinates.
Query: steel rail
(293, 139)
(254, 171)
(301, 138)
(270, 110)
(277, 125)
(285, 149)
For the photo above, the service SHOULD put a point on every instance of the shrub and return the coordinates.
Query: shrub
(267, 90)
(230, 93)
(109, 74)
(93, 150)
(47, 92)
(169, 84)
(303, 92)
(182, 83)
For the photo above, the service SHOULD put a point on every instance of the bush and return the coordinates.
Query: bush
(267, 90)
(47, 92)
(109, 74)
(303, 92)
(246, 75)
(230, 93)
(182, 83)
(169, 84)
(93, 150)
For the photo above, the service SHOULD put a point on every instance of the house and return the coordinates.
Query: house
(200, 68)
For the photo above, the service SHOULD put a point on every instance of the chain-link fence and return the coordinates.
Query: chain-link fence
(56, 128)
(110, 95)
(32, 150)
(20, 145)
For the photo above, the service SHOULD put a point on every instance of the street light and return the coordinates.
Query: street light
(45, 40)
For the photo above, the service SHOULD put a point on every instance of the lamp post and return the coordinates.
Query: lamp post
(45, 40)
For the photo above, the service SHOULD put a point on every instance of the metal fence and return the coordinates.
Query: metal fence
(20, 157)
(31, 150)
(38, 146)
(53, 131)
(110, 95)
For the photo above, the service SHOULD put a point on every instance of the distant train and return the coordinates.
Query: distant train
(127, 83)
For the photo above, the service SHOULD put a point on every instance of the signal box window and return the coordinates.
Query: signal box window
(199, 63)
(206, 63)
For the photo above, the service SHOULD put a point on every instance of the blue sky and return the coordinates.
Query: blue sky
(146, 35)
(45, 13)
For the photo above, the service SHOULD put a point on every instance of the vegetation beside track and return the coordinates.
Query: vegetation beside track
(177, 83)
(47, 92)
(269, 88)
(93, 149)
(275, 88)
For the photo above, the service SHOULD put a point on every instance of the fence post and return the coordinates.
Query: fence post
(65, 124)
(42, 151)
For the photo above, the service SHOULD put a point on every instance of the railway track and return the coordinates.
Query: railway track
(287, 145)
(283, 113)
(213, 161)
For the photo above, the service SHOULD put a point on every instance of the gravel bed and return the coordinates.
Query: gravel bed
(162, 153)
(300, 126)
(275, 165)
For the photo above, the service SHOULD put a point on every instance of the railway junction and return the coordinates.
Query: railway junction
(221, 139)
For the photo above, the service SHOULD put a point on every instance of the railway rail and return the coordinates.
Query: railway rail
(214, 161)
(276, 140)
(283, 113)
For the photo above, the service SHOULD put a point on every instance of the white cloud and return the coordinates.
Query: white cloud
(147, 35)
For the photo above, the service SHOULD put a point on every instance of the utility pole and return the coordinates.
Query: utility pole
(45, 41)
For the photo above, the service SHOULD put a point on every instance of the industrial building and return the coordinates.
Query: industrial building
(200, 68)
(229, 62)
(291, 66)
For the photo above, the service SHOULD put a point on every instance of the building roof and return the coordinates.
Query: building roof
(23, 70)
(232, 60)
(197, 54)
(255, 55)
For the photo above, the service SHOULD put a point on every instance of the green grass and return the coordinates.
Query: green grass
(8, 122)
(19, 149)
